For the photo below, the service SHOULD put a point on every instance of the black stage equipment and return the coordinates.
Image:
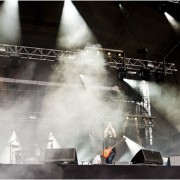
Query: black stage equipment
(147, 157)
(61, 156)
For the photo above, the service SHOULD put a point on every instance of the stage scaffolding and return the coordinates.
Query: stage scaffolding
(111, 58)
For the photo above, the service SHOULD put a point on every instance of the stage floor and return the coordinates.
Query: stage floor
(55, 171)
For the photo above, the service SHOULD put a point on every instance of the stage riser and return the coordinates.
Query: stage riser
(51, 171)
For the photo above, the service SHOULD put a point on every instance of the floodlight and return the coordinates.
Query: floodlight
(145, 74)
(159, 77)
(121, 74)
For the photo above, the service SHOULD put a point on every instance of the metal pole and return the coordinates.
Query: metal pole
(10, 154)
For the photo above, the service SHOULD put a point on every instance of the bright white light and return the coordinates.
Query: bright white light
(13, 3)
(4, 158)
(121, 7)
(32, 117)
(173, 22)
(133, 146)
(2, 49)
(12, 145)
(131, 82)
(126, 157)
(73, 31)
(13, 140)
(144, 90)
(52, 142)
(9, 22)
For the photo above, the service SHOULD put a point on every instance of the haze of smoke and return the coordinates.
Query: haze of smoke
(71, 113)
(166, 99)
(77, 112)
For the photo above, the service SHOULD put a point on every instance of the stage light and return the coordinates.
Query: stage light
(133, 146)
(121, 74)
(145, 74)
(173, 22)
(133, 83)
(159, 77)
(109, 53)
(14, 60)
(2, 49)
(119, 55)
(52, 142)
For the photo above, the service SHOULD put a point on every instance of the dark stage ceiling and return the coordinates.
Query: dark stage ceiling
(141, 24)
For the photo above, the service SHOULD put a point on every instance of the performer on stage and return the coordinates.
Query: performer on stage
(109, 141)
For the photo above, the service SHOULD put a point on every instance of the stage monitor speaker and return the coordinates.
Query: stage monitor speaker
(173, 161)
(147, 157)
(61, 156)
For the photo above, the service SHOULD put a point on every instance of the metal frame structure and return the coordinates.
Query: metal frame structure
(113, 58)
(141, 122)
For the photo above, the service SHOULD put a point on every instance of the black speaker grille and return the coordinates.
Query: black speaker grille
(60, 155)
(147, 157)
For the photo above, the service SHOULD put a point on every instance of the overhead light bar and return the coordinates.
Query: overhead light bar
(117, 62)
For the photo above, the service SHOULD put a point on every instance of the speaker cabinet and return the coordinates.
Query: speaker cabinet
(61, 156)
(173, 161)
(147, 157)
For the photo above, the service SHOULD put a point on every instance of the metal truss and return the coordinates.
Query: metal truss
(134, 65)
(112, 58)
(141, 123)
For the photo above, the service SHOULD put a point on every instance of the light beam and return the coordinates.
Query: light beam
(10, 31)
(73, 30)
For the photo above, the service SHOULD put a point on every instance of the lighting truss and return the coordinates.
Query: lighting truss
(134, 65)
(139, 121)
(113, 58)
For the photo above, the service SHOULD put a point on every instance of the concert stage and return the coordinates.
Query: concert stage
(55, 171)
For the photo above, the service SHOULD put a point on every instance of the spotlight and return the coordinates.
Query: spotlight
(159, 77)
(109, 53)
(121, 74)
(14, 60)
(145, 74)
(119, 55)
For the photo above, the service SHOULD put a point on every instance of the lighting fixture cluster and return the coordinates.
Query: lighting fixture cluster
(139, 121)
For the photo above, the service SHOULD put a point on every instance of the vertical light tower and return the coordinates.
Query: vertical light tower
(144, 87)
